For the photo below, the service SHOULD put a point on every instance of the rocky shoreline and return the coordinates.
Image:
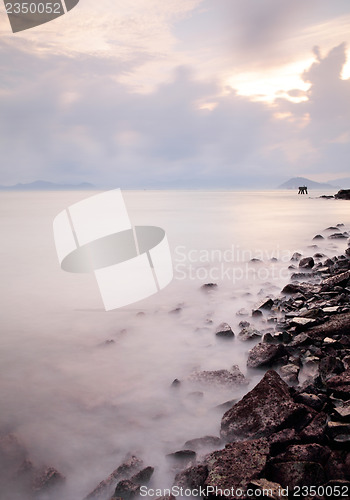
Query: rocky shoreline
(288, 437)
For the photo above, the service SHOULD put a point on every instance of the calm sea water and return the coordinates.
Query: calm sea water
(80, 405)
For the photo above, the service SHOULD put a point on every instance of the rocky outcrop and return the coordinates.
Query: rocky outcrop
(266, 409)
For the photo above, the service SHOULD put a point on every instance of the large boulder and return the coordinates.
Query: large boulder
(235, 466)
(266, 409)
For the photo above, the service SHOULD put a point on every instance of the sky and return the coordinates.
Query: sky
(178, 94)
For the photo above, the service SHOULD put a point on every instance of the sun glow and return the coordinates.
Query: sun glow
(273, 83)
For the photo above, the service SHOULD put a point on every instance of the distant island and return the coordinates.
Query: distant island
(295, 182)
(47, 186)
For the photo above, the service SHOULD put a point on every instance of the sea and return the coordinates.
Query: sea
(82, 387)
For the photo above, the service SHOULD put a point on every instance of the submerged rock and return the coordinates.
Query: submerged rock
(343, 194)
(224, 331)
(219, 378)
(307, 263)
(248, 333)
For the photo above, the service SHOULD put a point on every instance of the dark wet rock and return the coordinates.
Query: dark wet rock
(264, 355)
(192, 477)
(226, 405)
(203, 442)
(249, 333)
(330, 366)
(261, 486)
(318, 237)
(130, 466)
(335, 467)
(224, 331)
(182, 458)
(296, 256)
(332, 228)
(209, 286)
(337, 236)
(311, 400)
(343, 194)
(257, 313)
(337, 280)
(338, 324)
(126, 489)
(342, 412)
(291, 474)
(311, 452)
(47, 479)
(307, 263)
(340, 384)
(266, 409)
(219, 378)
(175, 383)
(243, 324)
(254, 260)
(281, 439)
(143, 476)
(337, 428)
(315, 430)
(264, 304)
(237, 464)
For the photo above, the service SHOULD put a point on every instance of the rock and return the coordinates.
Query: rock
(292, 474)
(265, 304)
(303, 323)
(337, 236)
(340, 384)
(259, 488)
(315, 430)
(307, 263)
(175, 383)
(236, 465)
(264, 355)
(192, 477)
(343, 194)
(126, 489)
(248, 333)
(242, 312)
(338, 324)
(219, 378)
(182, 458)
(335, 467)
(203, 442)
(209, 286)
(130, 466)
(289, 373)
(330, 366)
(47, 479)
(311, 400)
(331, 310)
(143, 476)
(338, 428)
(337, 280)
(304, 453)
(318, 237)
(267, 408)
(224, 331)
(296, 256)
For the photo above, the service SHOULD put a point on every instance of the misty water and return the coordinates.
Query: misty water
(80, 404)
